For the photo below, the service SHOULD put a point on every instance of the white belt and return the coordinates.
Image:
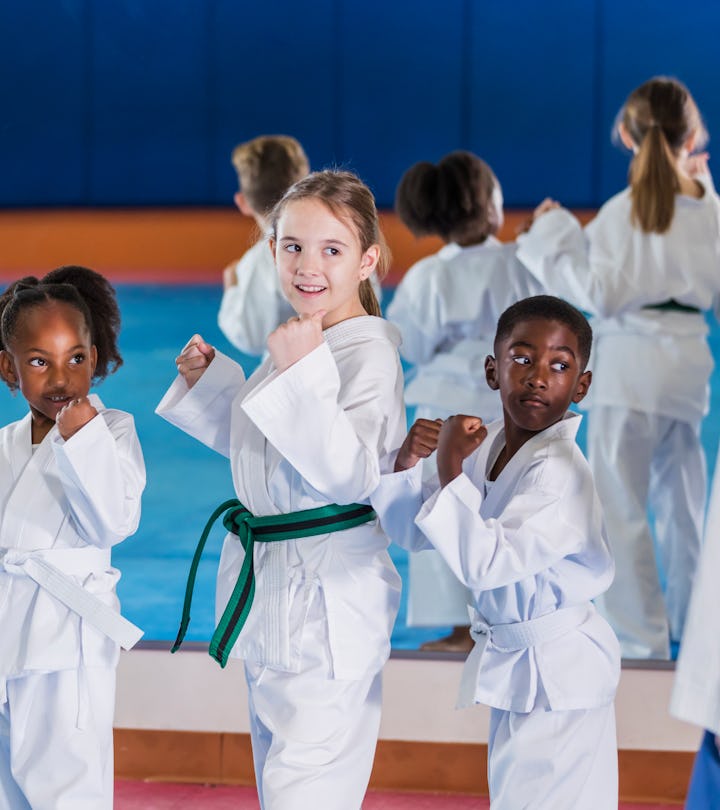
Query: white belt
(514, 637)
(37, 566)
(521, 635)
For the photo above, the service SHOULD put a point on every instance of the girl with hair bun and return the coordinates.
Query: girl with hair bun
(446, 307)
(71, 478)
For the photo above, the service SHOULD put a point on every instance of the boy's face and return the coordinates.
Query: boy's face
(537, 369)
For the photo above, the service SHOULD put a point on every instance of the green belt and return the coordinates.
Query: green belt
(673, 306)
(251, 529)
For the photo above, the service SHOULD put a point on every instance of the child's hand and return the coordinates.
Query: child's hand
(694, 165)
(548, 204)
(459, 437)
(230, 278)
(195, 357)
(75, 415)
(291, 341)
(421, 441)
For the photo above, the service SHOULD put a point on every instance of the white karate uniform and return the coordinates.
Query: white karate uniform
(63, 507)
(531, 547)
(696, 691)
(649, 394)
(318, 633)
(253, 307)
(447, 308)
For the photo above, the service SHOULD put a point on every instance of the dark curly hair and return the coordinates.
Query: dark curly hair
(453, 199)
(89, 292)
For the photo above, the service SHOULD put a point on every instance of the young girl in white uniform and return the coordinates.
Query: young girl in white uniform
(71, 478)
(647, 268)
(304, 435)
(253, 303)
(446, 307)
(517, 519)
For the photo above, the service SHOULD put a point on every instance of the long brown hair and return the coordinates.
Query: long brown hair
(348, 198)
(659, 116)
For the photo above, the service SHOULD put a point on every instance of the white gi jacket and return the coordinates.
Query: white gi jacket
(307, 437)
(534, 546)
(447, 307)
(253, 307)
(613, 270)
(696, 691)
(62, 508)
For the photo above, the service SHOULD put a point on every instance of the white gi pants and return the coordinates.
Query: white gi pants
(436, 597)
(313, 737)
(56, 744)
(553, 760)
(642, 460)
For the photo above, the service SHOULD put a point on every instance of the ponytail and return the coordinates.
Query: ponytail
(368, 299)
(653, 183)
(659, 117)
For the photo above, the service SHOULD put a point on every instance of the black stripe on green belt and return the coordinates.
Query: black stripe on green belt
(251, 529)
(671, 305)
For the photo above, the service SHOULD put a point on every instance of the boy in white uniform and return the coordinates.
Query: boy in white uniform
(253, 302)
(517, 519)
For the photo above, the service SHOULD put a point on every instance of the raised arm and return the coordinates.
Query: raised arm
(333, 429)
(536, 529)
(102, 472)
(199, 401)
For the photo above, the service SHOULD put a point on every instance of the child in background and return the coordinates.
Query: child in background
(253, 303)
(447, 307)
(646, 267)
(696, 692)
(71, 477)
(517, 519)
(304, 435)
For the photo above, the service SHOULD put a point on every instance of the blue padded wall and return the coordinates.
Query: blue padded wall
(139, 102)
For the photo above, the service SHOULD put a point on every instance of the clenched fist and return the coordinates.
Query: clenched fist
(75, 415)
(192, 361)
(292, 340)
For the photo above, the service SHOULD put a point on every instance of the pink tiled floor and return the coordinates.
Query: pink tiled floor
(164, 796)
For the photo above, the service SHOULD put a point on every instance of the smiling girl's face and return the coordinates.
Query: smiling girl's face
(320, 261)
(51, 360)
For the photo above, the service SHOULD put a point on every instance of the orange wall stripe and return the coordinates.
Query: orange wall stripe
(166, 245)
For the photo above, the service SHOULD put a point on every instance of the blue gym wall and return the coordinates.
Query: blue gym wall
(139, 102)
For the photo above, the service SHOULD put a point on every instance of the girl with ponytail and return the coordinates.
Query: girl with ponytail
(647, 268)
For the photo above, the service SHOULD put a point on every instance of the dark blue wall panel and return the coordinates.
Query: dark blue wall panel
(150, 123)
(401, 98)
(44, 102)
(531, 101)
(274, 69)
(139, 102)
